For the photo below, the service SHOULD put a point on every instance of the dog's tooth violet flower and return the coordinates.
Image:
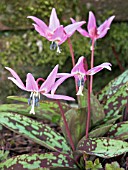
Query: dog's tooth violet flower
(33, 87)
(93, 32)
(55, 32)
(79, 73)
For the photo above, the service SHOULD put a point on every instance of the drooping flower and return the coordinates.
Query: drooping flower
(79, 73)
(93, 32)
(33, 87)
(55, 32)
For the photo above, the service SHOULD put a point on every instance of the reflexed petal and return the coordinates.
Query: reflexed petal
(49, 82)
(62, 75)
(39, 22)
(62, 97)
(39, 30)
(102, 29)
(106, 24)
(54, 22)
(80, 30)
(59, 82)
(91, 22)
(96, 69)
(17, 83)
(70, 29)
(79, 67)
(15, 75)
(31, 84)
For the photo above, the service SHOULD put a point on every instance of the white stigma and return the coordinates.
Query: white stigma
(33, 101)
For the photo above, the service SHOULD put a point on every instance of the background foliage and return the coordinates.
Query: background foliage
(19, 47)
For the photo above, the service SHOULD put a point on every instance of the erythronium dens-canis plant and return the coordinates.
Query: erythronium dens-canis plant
(90, 129)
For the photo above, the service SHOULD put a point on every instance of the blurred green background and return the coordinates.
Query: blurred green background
(19, 42)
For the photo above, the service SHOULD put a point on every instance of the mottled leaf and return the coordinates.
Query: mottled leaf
(47, 106)
(34, 130)
(35, 161)
(109, 90)
(119, 131)
(114, 95)
(24, 109)
(114, 104)
(100, 131)
(102, 147)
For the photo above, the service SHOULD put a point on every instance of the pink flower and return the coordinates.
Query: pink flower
(79, 72)
(55, 32)
(93, 32)
(33, 87)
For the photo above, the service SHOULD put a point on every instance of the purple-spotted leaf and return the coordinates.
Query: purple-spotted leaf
(102, 147)
(24, 109)
(35, 161)
(36, 131)
(114, 104)
(114, 95)
(119, 131)
(100, 131)
(109, 90)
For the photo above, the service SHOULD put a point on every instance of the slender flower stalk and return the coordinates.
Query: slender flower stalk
(71, 52)
(73, 59)
(92, 64)
(66, 126)
(93, 32)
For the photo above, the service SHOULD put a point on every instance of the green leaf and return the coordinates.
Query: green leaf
(34, 161)
(93, 166)
(102, 147)
(3, 155)
(113, 166)
(97, 111)
(34, 130)
(100, 131)
(76, 119)
(119, 131)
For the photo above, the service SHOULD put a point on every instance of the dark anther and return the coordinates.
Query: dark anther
(53, 46)
(80, 82)
(36, 101)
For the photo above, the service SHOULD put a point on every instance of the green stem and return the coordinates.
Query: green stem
(92, 63)
(66, 126)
